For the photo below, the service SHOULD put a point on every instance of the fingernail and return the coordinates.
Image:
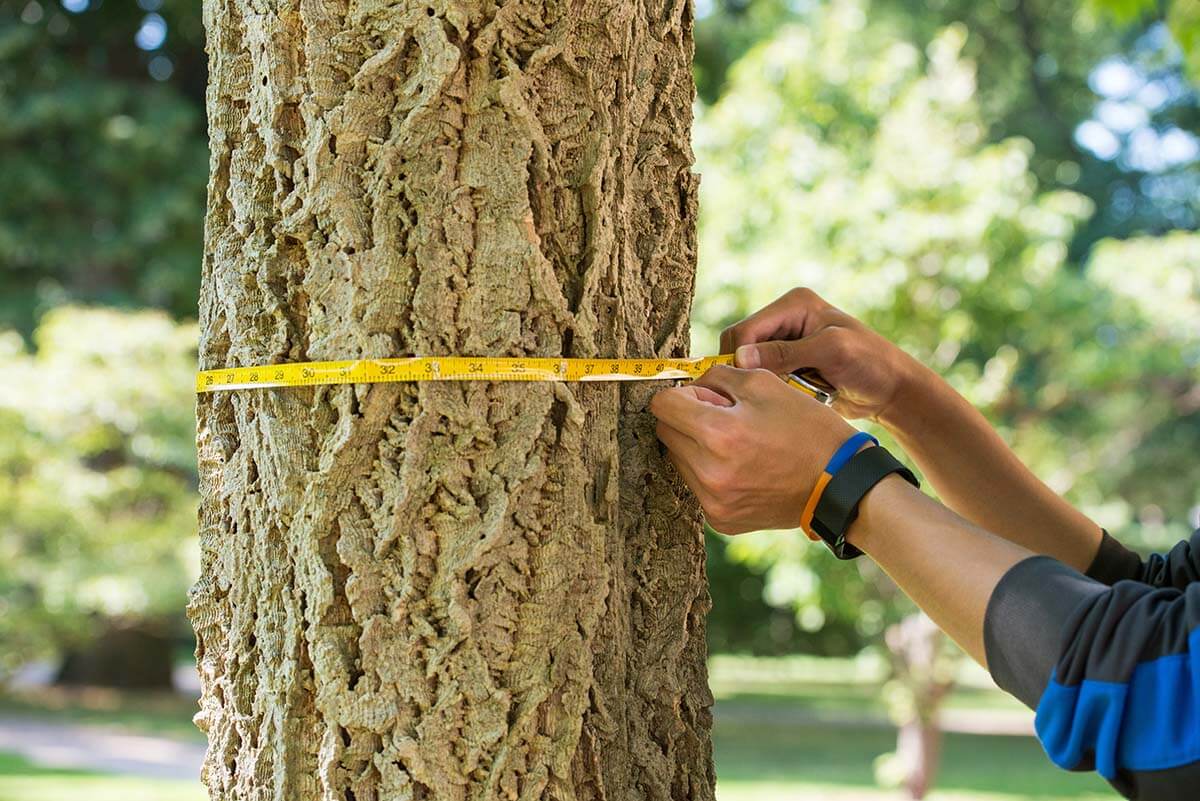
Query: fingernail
(747, 357)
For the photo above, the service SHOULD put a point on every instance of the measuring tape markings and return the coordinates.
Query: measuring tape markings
(453, 368)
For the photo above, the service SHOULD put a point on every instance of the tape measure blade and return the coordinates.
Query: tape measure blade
(455, 368)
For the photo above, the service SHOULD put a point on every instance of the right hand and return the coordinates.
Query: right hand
(801, 329)
(748, 445)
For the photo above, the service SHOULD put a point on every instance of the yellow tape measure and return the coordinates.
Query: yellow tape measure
(452, 368)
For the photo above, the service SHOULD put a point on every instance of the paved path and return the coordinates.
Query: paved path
(75, 745)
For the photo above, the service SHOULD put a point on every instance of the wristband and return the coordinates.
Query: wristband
(837, 507)
(836, 462)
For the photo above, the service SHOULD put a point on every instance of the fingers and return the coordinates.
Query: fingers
(680, 446)
(731, 382)
(787, 317)
(685, 409)
(824, 350)
(684, 468)
(708, 396)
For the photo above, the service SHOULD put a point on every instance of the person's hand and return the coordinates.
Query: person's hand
(800, 330)
(749, 445)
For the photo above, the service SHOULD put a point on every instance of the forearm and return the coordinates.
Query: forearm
(946, 565)
(1106, 668)
(977, 475)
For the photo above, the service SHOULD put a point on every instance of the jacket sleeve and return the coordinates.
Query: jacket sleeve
(1113, 671)
(1178, 568)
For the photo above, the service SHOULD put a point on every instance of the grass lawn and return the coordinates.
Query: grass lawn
(772, 760)
(22, 781)
(781, 734)
(841, 686)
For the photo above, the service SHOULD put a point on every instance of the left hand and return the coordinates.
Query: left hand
(750, 446)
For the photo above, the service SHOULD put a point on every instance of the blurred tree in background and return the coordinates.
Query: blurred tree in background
(97, 488)
(1099, 89)
(105, 161)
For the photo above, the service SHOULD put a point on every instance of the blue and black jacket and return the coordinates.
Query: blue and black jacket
(1111, 662)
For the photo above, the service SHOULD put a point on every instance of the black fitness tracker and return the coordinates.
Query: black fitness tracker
(838, 504)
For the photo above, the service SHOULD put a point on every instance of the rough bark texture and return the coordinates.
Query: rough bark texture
(460, 591)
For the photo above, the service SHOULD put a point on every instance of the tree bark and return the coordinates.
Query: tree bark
(469, 590)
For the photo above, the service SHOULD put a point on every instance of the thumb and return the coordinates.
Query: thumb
(783, 355)
(709, 396)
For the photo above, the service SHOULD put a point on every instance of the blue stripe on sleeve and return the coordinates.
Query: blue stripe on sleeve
(1150, 723)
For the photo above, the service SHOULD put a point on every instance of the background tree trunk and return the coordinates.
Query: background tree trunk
(134, 653)
(924, 664)
(461, 591)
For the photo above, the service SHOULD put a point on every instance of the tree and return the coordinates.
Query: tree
(97, 492)
(466, 590)
(104, 203)
(1100, 88)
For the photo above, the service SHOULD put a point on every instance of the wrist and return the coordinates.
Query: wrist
(877, 513)
(850, 445)
(916, 386)
(847, 483)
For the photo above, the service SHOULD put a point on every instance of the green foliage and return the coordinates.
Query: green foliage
(1156, 281)
(744, 620)
(1182, 16)
(1184, 20)
(97, 475)
(842, 158)
(815, 172)
(1036, 62)
(30, 781)
(102, 191)
(726, 30)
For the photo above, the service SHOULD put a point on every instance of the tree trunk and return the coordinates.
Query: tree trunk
(924, 664)
(467, 590)
(136, 654)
